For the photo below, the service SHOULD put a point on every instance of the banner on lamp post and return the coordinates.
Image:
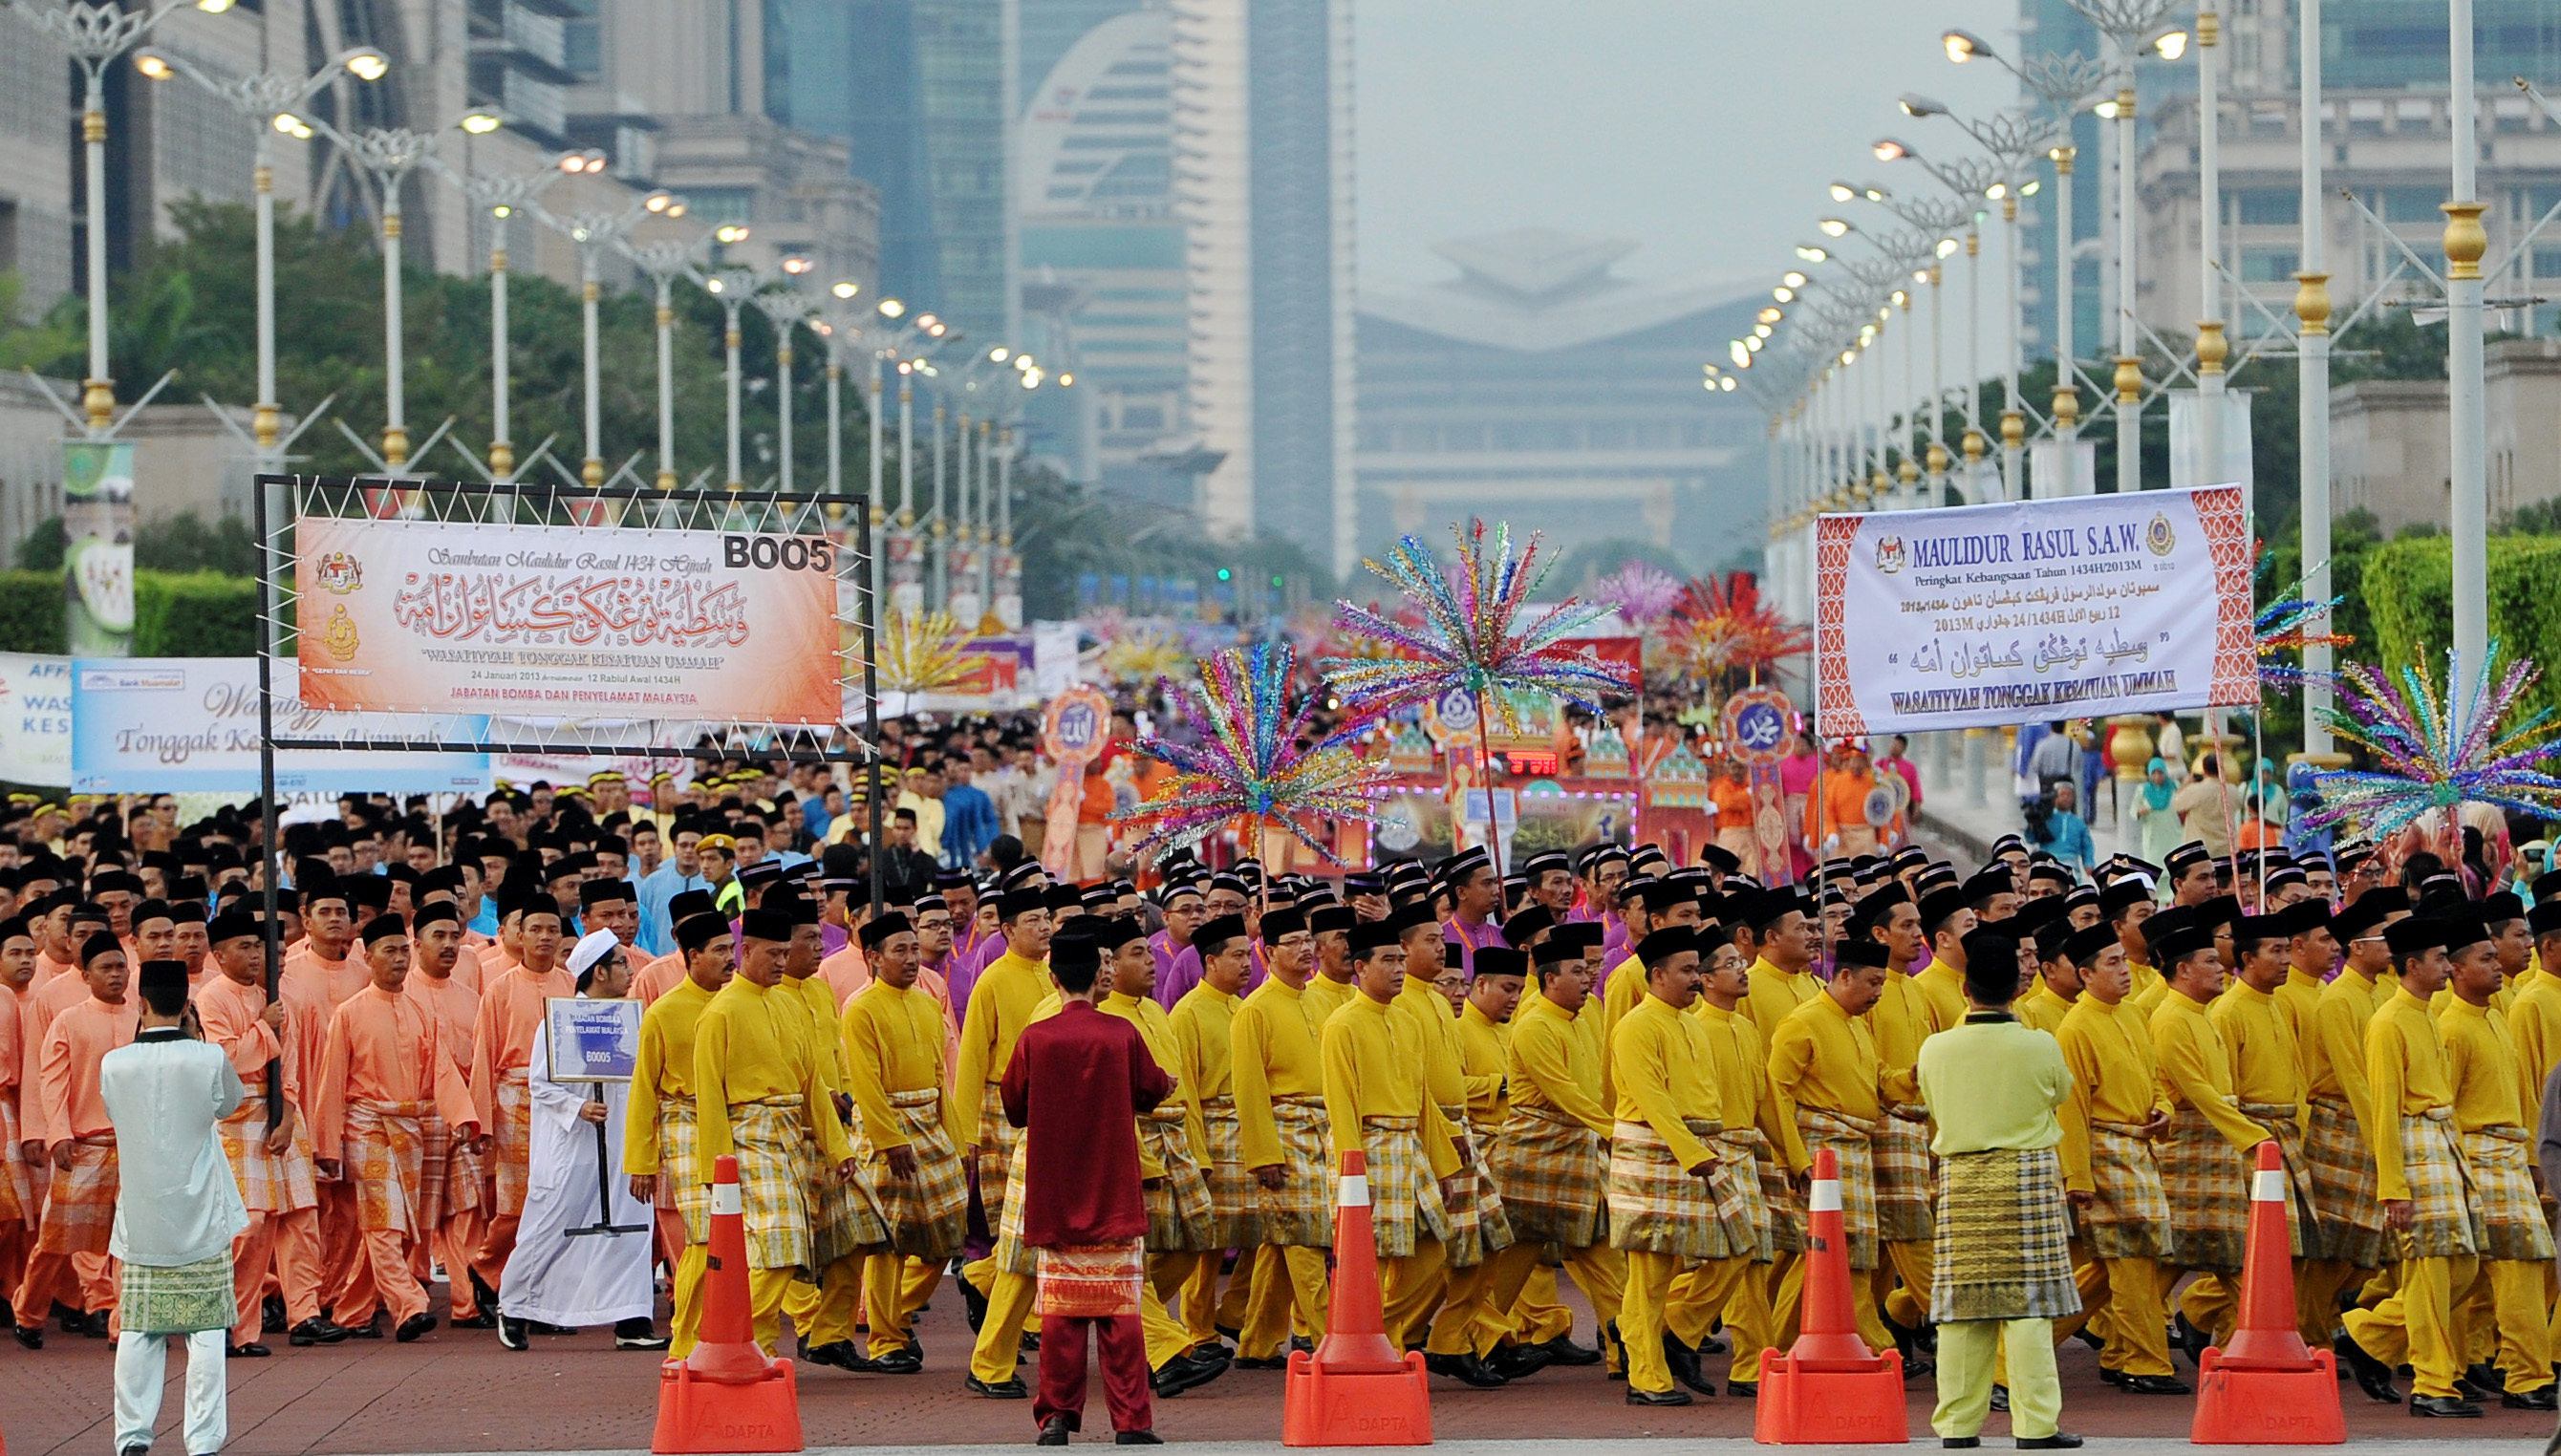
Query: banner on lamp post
(98, 547)
(1981, 615)
(2188, 466)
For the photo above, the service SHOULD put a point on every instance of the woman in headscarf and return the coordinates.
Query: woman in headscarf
(2151, 807)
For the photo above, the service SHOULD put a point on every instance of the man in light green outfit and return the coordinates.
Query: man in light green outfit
(2003, 1269)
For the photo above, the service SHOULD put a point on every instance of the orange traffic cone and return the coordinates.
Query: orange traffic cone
(2268, 1389)
(1830, 1388)
(727, 1396)
(1356, 1389)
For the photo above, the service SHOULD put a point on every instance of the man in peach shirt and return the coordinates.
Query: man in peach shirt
(318, 975)
(385, 1078)
(79, 1211)
(436, 949)
(20, 1203)
(664, 974)
(502, 1047)
(269, 1155)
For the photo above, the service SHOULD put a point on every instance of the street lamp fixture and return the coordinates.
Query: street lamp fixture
(1811, 252)
(1964, 46)
(892, 308)
(845, 289)
(2170, 43)
(1887, 149)
(1834, 226)
(1793, 279)
(1920, 105)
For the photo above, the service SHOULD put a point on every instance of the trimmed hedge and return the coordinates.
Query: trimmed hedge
(175, 615)
(2409, 593)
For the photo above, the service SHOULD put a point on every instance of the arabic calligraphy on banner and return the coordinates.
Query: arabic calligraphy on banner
(423, 616)
(2083, 607)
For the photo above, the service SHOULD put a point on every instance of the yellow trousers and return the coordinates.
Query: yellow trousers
(1599, 1270)
(2213, 1304)
(1288, 1280)
(1001, 1333)
(2415, 1322)
(1907, 1259)
(1967, 1352)
(824, 1312)
(1408, 1288)
(766, 1289)
(1168, 1280)
(2131, 1292)
(1642, 1317)
(1533, 1316)
(1748, 1322)
(1463, 1302)
(894, 1289)
(2513, 1290)
(685, 1323)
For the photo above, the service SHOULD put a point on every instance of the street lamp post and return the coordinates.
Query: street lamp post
(1975, 180)
(733, 286)
(910, 342)
(592, 232)
(502, 195)
(268, 101)
(664, 259)
(785, 310)
(2467, 445)
(95, 34)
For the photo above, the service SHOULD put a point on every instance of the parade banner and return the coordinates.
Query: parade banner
(182, 724)
(36, 720)
(1978, 615)
(426, 616)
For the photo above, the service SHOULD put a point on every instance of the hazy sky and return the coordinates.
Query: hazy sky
(1705, 130)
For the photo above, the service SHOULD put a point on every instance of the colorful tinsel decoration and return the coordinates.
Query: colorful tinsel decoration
(2287, 623)
(1472, 639)
(1258, 759)
(1143, 655)
(1725, 626)
(922, 653)
(1645, 594)
(2434, 752)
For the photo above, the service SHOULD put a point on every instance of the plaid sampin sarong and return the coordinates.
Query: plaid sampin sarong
(1656, 1206)
(1478, 1229)
(1904, 1180)
(2129, 1215)
(17, 1203)
(2207, 1182)
(1404, 1197)
(1180, 1218)
(1553, 1173)
(2347, 1199)
(2445, 1220)
(269, 1182)
(1301, 1214)
(768, 1136)
(462, 1177)
(1234, 1201)
(1747, 1156)
(514, 1144)
(383, 1150)
(176, 1299)
(1011, 1254)
(683, 1183)
(1779, 1197)
(2511, 1217)
(1852, 1142)
(2304, 1230)
(844, 1217)
(2002, 1249)
(927, 1214)
(998, 1141)
(80, 1207)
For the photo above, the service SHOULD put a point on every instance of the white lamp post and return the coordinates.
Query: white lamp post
(502, 195)
(733, 286)
(664, 259)
(786, 309)
(592, 232)
(2467, 443)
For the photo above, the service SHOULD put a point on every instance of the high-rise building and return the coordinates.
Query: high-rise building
(1262, 177)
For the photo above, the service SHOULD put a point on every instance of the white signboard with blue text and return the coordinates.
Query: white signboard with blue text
(189, 725)
(594, 1040)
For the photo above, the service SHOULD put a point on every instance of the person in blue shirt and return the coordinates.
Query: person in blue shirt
(682, 870)
(2065, 834)
(968, 816)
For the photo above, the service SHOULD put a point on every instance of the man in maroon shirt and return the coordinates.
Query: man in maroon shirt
(1083, 1207)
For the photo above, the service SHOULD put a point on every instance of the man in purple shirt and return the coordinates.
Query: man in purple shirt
(965, 969)
(1183, 916)
(1226, 896)
(1474, 889)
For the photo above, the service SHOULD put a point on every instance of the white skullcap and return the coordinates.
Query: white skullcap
(592, 948)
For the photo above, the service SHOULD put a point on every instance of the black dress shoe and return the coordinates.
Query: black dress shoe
(2087, 1337)
(2465, 1389)
(481, 1320)
(93, 1325)
(539, 1328)
(316, 1331)
(838, 1353)
(638, 1333)
(1673, 1397)
(2191, 1339)
(1714, 1344)
(2442, 1407)
(1959, 1443)
(2157, 1385)
(1519, 1361)
(271, 1317)
(1683, 1361)
(1030, 1342)
(1465, 1368)
(511, 1333)
(2111, 1377)
(2373, 1376)
(1005, 1389)
(1184, 1372)
(2059, 1441)
(1262, 1363)
(899, 1362)
(251, 1351)
(1301, 1345)
(1136, 1438)
(1999, 1400)
(371, 1328)
(1562, 1350)
(974, 1303)
(1743, 1390)
(481, 1294)
(31, 1336)
(2543, 1398)
(412, 1327)
(2487, 1378)
(1914, 1367)
(1054, 1432)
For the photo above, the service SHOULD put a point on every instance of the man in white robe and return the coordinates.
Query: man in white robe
(566, 1270)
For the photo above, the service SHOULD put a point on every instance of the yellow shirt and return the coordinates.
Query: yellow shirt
(2267, 1064)
(1658, 1059)
(1738, 1064)
(891, 1041)
(1821, 1056)
(817, 1001)
(1001, 1004)
(2481, 1062)
(1436, 1035)
(2535, 1024)
(1204, 1023)
(2334, 1063)
(1903, 1017)
(1553, 1065)
(1272, 1054)
(2150, 988)
(1373, 1060)
(2114, 1077)
(1157, 1029)
(2297, 996)
(750, 1044)
(1324, 996)
(665, 1070)
(2195, 1068)
(1484, 1057)
(2042, 1008)
(1624, 988)
(1774, 993)
(1942, 986)
(2405, 1066)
